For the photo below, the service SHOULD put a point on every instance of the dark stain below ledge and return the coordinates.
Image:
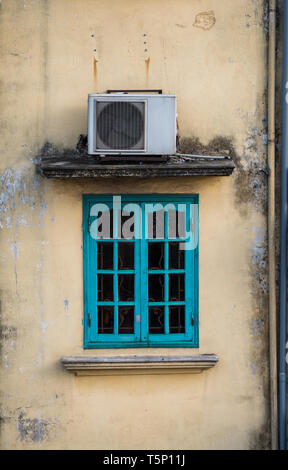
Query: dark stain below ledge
(76, 163)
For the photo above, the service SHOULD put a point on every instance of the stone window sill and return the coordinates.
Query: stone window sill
(134, 365)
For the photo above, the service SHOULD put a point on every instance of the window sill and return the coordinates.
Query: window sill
(134, 365)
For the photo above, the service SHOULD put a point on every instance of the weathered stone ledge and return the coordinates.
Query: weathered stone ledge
(134, 365)
(90, 167)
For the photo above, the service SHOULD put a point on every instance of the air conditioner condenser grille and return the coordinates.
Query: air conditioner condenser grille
(120, 125)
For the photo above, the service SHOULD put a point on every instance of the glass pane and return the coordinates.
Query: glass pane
(177, 319)
(176, 287)
(105, 255)
(181, 224)
(172, 222)
(156, 320)
(105, 320)
(155, 224)
(126, 287)
(105, 287)
(105, 225)
(126, 255)
(176, 256)
(156, 287)
(156, 255)
(126, 320)
(128, 225)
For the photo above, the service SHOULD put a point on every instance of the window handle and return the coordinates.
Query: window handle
(89, 320)
(192, 321)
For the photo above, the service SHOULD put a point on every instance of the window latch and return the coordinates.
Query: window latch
(89, 320)
(192, 321)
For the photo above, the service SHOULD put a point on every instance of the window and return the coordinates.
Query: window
(140, 271)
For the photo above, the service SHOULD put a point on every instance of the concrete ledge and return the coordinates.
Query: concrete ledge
(89, 167)
(134, 365)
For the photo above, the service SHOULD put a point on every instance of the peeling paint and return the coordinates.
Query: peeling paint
(10, 182)
(18, 194)
(21, 221)
(14, 250)
(8, 336)
(255, 368)
(257, 326)
(33, 429)
(43, 208)
(44, 325)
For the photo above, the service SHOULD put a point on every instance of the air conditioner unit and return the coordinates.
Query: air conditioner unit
(125, 124)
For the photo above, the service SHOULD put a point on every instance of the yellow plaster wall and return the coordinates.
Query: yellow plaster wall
(53, 53)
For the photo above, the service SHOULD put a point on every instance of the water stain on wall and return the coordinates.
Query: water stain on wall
(217, 146)
(250, 175)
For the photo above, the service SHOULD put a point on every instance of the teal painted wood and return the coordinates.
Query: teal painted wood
(190, 291)
(86, 332)
(137, 312)
(141, 336)
(92, 320)
(144, 284)
(166, 277)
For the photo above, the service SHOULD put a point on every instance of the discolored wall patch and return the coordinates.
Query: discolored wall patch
(205, 20)
(36, 429)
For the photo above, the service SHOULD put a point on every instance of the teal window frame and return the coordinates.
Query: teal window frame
(141, 337)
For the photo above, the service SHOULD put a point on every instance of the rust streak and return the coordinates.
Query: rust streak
(147, 64)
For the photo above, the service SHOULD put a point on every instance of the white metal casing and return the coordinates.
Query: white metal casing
(159, 123)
